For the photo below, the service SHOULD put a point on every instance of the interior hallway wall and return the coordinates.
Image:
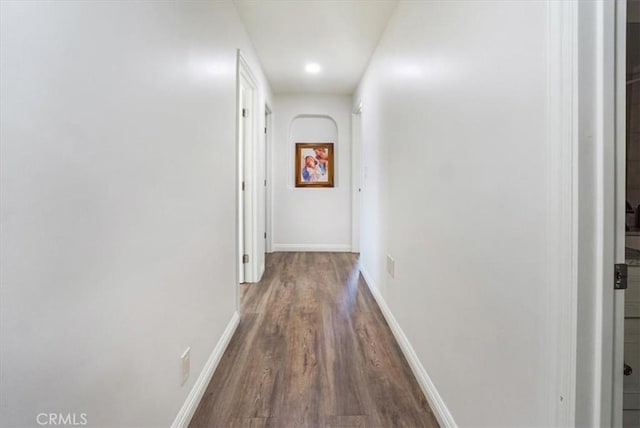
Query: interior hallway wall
(454, 126)
(118, 198)
(311, 219)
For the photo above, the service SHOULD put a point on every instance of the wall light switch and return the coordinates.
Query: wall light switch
(185, 359)
(391, 266)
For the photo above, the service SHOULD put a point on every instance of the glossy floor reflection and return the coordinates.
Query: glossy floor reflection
(312, 350)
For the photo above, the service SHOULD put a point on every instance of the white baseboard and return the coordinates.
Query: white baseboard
(335, 248)
(195, 395)
(440, 410)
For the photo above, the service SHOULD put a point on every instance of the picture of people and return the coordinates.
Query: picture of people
(314, 164)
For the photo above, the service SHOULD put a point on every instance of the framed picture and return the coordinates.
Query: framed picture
(314, 165)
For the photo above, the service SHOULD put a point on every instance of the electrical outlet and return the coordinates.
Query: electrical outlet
(185, 359)
(391, 266)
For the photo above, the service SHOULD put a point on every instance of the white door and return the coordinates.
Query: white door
(242, 135)
(245, 179)
(248, 174)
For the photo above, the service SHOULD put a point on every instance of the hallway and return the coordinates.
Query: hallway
(312, 349)
(184, 186)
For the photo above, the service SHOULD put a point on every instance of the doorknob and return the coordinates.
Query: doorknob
(627, 369)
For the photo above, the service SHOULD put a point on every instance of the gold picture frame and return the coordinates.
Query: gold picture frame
(314, 165)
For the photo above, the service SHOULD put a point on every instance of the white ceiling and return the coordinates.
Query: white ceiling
(340, 35)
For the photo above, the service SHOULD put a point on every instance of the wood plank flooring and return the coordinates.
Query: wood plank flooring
(312, 350)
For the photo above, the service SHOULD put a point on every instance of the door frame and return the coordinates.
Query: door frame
(268, 123)
(246, 215)
(240, 195)
(584, 149)
(604, 201)
(619, 212)
(356, 176)
(610, 204)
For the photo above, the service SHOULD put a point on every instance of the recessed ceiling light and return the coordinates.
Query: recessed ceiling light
(312, 67)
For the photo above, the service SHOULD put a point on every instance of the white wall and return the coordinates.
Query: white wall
(317, 219)
(117, 204)
(454, 129)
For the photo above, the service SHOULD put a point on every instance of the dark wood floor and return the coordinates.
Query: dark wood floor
(312, 350)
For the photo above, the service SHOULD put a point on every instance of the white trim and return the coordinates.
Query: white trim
(562, 211)
(239, 178)
(620, 118)
(356, 176)
(437, 404)
(605, 212)
(269, 177)
(183, 418)
(339, 248)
